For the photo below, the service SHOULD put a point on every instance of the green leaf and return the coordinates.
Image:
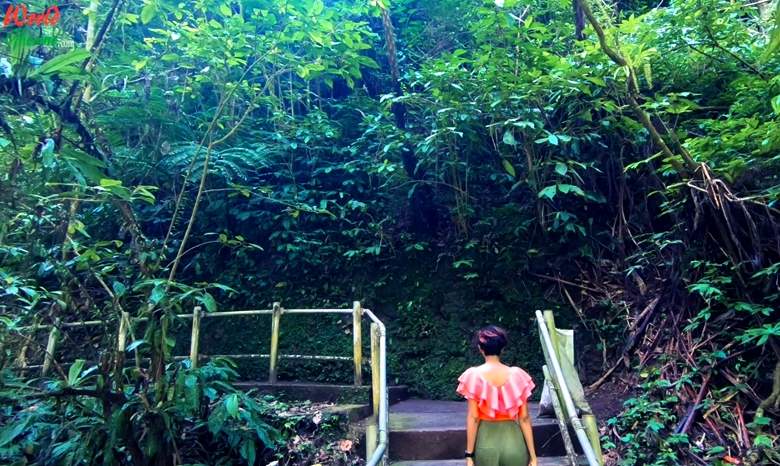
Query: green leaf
(570, 188)
(317, 7)
(62, 63)
(509, 168)
(217, 419)
(13, 430)
(561, 168)
(654, 425)
(75, 371)
(225, 10)
(4, 142)
(148, 12)
(368, 62)
(109, 183)
(509, 138)
(763, 441)
(552, 139)
(119, 289)
(208, 301)
(90, 167)
(248, 451)
(776, 104)
(596, 80)
(158, 293)
(548, 192)
(132, 346)
(762, 421)
(231, 405)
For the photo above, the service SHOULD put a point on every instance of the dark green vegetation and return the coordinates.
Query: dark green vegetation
(448, 163)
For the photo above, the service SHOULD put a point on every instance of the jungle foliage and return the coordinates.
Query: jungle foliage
(448, 163)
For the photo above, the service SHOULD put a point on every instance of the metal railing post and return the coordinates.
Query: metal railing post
(375, 368)
(276, 320)
(379, 455)
(357, 341)
(195, 336)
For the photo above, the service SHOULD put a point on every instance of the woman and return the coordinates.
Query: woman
(498, 426)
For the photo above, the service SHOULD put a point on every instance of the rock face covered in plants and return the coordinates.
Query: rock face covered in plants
(447, 163)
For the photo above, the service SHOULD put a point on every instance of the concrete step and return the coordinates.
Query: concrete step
(323, 393)
(543, 461)
(436, 430)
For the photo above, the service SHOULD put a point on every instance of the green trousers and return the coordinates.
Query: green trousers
(500, 443)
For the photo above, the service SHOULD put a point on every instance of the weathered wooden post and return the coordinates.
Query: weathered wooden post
(375, 368)
(276, 320)
(357, 341)
(51, 346)
(195, 336)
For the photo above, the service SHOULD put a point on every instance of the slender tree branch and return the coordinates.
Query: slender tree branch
(633, 93)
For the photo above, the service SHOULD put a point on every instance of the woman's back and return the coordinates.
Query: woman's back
(495, 373)
(499, 390)
(498, 427)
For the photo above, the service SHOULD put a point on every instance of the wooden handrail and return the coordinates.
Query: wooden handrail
(377, 449)
(198, 315)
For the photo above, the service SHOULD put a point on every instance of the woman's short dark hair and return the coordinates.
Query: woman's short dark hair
(491, 340)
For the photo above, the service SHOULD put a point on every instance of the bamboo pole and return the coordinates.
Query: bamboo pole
(592, 429)
(121, 345)
(124, 322)
(131, 332)
(51, 346)
(549, 319)
(559, 382)
(276, 319)
(567, 443)
(372, 438)
(357, 341)
(195, 337)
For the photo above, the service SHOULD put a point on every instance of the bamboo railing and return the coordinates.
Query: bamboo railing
(55, 331)
(567, 393)
(376, 449)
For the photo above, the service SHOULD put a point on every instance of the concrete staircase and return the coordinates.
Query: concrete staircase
(422, 432)
(433, 433)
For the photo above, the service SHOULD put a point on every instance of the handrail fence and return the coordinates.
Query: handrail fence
(376, 451)
(561, 390)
